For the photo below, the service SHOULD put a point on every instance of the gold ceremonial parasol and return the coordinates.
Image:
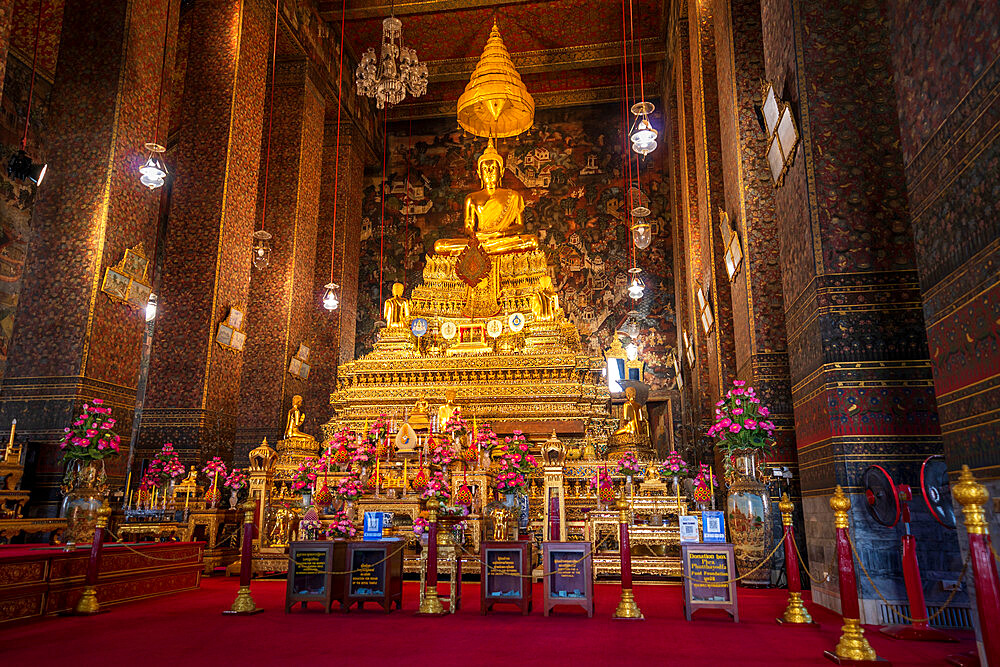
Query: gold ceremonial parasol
(495, 102)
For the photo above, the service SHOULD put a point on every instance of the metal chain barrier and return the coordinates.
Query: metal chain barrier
(932, 617)
(295, 562)
(802, 564)
(118, 542)
(742, 576)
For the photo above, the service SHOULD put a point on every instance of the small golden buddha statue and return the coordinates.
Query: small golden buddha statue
(281, 531)
(295, 419)
(493, 214)
(396, 310)
(418, 418)
(634, 420)
(545, 302)
(448, 409)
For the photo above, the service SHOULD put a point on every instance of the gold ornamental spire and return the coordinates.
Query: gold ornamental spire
(495, 102)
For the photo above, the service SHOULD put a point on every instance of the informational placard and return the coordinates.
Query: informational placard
(689, 528)
(310, 573)
(504, 567)
(713, 526)
(374, 524)
(376, 574)
(709, 578)
(569, 576)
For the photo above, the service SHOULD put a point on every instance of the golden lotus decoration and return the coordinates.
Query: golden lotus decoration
(495, 102)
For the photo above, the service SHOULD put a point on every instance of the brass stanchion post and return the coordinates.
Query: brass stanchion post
(852, 647)
(244, 604)
(796, 612)
(627, 607)
(973, 496)
(431, 605)
(87, 604)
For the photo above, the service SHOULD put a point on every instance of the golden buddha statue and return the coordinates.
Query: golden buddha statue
(396, 310)
(295, 419)
(418, 418)
(448, 409)
(634, 420)
(493, 214)
(545, 302)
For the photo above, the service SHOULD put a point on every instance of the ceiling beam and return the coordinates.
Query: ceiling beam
(358, 10)
(549, 60)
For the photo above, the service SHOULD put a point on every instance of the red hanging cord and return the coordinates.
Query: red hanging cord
(31, 88)
(163, 70)
(270, 114)
(336, 159)
(385, 154)
(642, 81)
(629, 201)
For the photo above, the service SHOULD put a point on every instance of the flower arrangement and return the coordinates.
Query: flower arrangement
(339, 449)
(364, 452)
(441, 452)
(305, 475)
(379, 431)
(310, 521)
(674, 467)
(90, 438)
(486, 439)
(456, 426)
(437, 488)
(741, 422)
(515, 464)
(600, 480)
(214, 467)
(165, 466)
(628, 465)
(341, 526)
(349, 488)
(235, 480)
(421, 526)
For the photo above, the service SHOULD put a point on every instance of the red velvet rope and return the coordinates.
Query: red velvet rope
(336, 159)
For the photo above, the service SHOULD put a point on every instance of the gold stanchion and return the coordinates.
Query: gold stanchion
(87, 604)
(431, 605)
(244, 604)
(796, 612)
(627, 606)
(852, 647)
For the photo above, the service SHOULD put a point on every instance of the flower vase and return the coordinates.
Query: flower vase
(85, 489)
(349, 509)
(748, 509)
(307, 499)
(233, 493)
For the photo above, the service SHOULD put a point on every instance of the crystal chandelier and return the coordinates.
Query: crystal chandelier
(387, 79)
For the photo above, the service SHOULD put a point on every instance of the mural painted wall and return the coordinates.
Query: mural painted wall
(569, 169)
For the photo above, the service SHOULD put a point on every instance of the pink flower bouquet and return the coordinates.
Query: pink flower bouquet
(90, 438)
(674, 466)
(741, 422)
(349, 488)
(305, 475)
(214, 467)
(341, 526)
(235, 480)
(628, 465)
(515, 464)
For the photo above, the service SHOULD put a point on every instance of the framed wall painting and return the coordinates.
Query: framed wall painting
(135, 263)
(116, 284)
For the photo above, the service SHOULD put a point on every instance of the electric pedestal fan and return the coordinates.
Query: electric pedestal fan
(887, 504)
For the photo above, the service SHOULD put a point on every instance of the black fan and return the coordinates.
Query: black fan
(936, 492)
(882, 497)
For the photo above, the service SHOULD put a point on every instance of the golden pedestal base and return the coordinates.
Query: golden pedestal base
(87, 604)
(853, 647)
(431, 604)
(627, 607)
(796, 612)
(244, 604)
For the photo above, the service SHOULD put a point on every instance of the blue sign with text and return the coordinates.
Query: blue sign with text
(374, 521)
(713, 526)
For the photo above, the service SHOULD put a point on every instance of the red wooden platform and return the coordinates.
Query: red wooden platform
(37, 580)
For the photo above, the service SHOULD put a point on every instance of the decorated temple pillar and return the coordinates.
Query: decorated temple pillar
(282, 295)
(862, 390)
(709, 282)
(72, 341)
(749, 231)
(334, 331)
(193, 393)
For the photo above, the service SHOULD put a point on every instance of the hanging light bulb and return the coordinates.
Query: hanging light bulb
(151, 308)
(636, 286)
(153, 171)
(261, 249)
(632, 351)
(330, 299)
(643, 135)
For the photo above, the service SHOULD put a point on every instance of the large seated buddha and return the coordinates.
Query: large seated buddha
(492, 214)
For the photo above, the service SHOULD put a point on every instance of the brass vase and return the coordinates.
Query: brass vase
(85, 488)
(748, 513)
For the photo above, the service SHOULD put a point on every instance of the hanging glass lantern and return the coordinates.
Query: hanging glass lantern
(632, 351)
(642, 231)
(261, 249)
(331, 299)
(153, 172)
(632, 325)
(643, 135)
(636, 286)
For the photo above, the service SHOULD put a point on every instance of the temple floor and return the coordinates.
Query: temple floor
(188, 629)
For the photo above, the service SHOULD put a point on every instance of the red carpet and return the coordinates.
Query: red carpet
(188, 629)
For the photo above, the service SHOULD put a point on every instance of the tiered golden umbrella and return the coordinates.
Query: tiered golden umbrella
(495, 102)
